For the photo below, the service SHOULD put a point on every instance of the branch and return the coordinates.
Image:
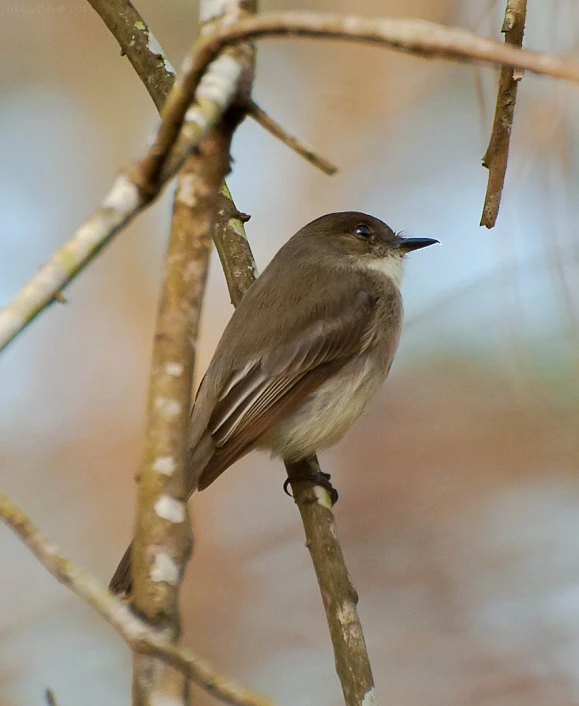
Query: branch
(338, 594)
(496, 157)
(138, 636)
(294, 143)
(411, 36)
(162, 534)
(233, 247)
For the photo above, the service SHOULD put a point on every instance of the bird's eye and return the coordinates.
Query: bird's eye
(362, 230)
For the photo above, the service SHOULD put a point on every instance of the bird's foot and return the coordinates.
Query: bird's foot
(309, 470)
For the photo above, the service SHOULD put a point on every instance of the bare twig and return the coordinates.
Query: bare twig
(411, 36)
(132, 192)
(134, 631)
(294, 143)
(497, 154)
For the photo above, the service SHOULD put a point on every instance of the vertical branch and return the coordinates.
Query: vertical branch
(163, 541)
(496, 157)
(162, 534)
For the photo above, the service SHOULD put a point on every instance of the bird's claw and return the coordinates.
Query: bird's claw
(315, 476)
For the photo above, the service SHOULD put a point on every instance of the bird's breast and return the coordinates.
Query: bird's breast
(329, 412)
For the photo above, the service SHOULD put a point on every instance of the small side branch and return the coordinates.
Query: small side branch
(294, 143)
(411, 36)
(497, 154)
(138, 636)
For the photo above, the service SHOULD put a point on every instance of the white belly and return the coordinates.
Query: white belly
(328, 414)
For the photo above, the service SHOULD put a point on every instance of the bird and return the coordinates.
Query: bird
(310, 343)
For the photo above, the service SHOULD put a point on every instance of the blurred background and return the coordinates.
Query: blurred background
(459, 509)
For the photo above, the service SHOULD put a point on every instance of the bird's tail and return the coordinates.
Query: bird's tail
(122, 580)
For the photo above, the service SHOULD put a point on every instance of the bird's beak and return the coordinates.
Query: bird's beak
(409, 244)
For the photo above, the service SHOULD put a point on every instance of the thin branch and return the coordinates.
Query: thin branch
(136, 189)
(314, 503)
(138, 636)
(162, 541)
(496, 157)
(294, 143)
(338, 594)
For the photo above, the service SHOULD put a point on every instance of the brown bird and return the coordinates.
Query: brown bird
(305, 351)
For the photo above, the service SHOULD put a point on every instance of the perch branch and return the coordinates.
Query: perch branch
(497, 154)
(138, 636)
(339, 596)
(294, 143)
(233, 247)
(132, 192)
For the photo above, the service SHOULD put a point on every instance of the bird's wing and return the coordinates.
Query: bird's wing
(258, 394)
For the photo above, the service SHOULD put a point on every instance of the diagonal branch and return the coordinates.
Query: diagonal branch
(294, 143)
(162, 533)
(339, 596)
(314, 503)
(125, 200)
(134, 631)
(496, 157)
